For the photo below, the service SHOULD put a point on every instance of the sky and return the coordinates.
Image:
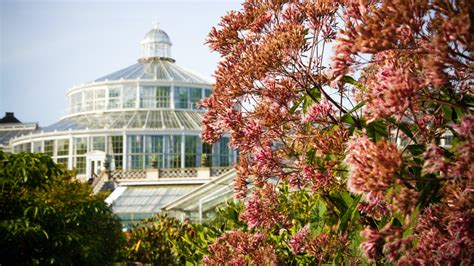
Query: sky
(47, 47)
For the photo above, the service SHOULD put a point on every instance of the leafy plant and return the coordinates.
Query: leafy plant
(46, 217)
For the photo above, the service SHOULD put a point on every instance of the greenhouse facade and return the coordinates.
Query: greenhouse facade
(144, 115)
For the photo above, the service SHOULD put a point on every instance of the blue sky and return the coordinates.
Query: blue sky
(47, 47)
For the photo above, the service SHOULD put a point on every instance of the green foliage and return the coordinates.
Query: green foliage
(46, 217)
(158, 240)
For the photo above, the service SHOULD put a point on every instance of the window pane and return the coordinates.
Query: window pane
(129, 97)
(80, 165)
(37, 146)
(115, 145)
(162, 97)
(98, 144)
(181, 97)
(76, 102)
(99, 99)
(207, 93)
(88, 100)
(135, 161)
(62, 161)
(147, 97)
(63, 147)
(135, 144)
(174, 155)
(190, 157)
(80, 146)
(154, 144)
(118, 162)
(49, 147)
(194, 97)
(115, 98)
(224, 151)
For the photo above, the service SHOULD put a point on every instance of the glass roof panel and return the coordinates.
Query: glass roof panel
(138, 121)
(156, 70)
(170, 120)
(5, 136)
(185, 120)
(154, 120)
(147, 199)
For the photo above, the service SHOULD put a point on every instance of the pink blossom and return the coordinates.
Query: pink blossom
(466, 128)
(373, 166)
(374, 205)
(318, 112)
(373, 244)
(298, 242)
(434, 160)
(391, 92)
(240, 248)
(262, 208)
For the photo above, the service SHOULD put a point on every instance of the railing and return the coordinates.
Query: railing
(128, 174)
(177, 172)
(217, 171)
(133, 174)
(99, 182)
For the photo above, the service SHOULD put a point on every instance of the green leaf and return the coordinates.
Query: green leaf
(416, 149)
(348, 214)
(403, 127)
(352, 81)
(309, 98)
(295, 106)
(377, 130)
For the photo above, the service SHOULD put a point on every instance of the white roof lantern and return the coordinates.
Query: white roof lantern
(156, 44)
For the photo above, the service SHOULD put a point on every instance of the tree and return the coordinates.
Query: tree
(359, 129)
(47, 217)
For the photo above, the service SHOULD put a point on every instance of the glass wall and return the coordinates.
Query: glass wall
(173, 151)
(191, 158)
(187, 98)
(62, 155)
(167, 151)
(129, 97)
(154, 150)
(80, 150)
(115, 149)
(117, 96)
(49, 147)
(154, 97)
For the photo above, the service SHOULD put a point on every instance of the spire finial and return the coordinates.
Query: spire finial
(156, 23)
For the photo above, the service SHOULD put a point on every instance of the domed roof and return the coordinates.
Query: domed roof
(156, 36)
(156, 63)
(157, 70)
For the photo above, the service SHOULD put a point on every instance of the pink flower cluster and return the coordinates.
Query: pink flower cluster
(391, 92)
(460, 165)
(262, 209)
(238, 248)
(298, 242)
(374, 205)
(318, 112)
(373, 166)
(388, 242)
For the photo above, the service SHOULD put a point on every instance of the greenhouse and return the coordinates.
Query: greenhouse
(144, 114)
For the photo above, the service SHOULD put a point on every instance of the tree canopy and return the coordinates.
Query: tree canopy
(47, 217)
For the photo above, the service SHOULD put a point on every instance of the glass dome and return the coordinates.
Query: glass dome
(156, 44)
